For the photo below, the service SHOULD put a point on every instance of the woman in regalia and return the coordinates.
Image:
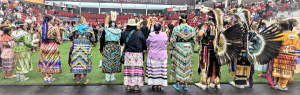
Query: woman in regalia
(111, 50)
(156, 72)
(81, 56)
(182, 43)
(66, 32)
(285, 63)
(22, 51)
(7, 54)
(49, 60)
(135, 44)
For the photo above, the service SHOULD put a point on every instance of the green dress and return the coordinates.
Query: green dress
(22, 51)
(182, 43)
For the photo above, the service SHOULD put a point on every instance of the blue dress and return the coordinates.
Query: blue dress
(81, 56)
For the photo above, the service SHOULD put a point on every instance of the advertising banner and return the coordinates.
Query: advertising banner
(169, 9)
(183, 8)
(69, 6)
(49, 3)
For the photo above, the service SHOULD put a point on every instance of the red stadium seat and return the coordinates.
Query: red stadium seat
(269, 13)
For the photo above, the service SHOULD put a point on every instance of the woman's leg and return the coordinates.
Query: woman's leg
(85, 80)
(185, 86)
(18, 77)
(107, 77)
(137, 88)
(78, 80)
(50, 79)
(176, 86)
(154, 87)
(292, 79)
(23, 77)
(282, 84)
(112, 77)
(127, 87)
(159, 88)
(5, 74)
(45, 78)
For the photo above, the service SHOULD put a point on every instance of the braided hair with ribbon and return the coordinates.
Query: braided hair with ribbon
(45, 26)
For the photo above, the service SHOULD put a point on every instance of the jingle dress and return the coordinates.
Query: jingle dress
(182, 42)
(157, 61)
(7, 54)
(49, 60)
(81, 56)
(110, 46)
(22, 51)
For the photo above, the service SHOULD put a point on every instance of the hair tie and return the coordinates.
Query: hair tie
(295, 23)
(156, 24)
(45, 31)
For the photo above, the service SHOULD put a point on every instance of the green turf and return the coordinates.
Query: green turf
(96, 76)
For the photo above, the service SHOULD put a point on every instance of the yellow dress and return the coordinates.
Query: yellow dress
(285, 63)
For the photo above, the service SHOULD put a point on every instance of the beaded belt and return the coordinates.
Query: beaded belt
(112, 42)
(19, 43)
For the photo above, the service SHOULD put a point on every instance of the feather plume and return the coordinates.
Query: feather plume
(113, 15)
(82, 19)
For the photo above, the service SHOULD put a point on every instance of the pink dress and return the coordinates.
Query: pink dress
(7, 55)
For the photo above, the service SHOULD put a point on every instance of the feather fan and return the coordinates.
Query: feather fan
(229, 44)
(269, 48)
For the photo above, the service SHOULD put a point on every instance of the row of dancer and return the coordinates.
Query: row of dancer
(216, 50)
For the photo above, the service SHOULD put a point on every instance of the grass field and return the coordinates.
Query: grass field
(96, 76)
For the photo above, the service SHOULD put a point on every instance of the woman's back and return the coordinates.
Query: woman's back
(136, 43)
(289, 38)
(157, 44)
